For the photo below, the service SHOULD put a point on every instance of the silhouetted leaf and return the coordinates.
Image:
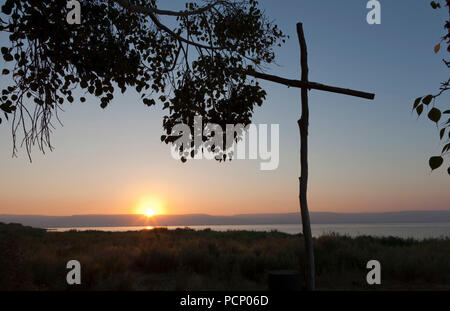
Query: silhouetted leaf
(435, 5)
(149, 101)
(419, 109)
(427, 99)
(441, 133)
(436, 162)
(171, 139)
(434, 115)
(7, 57)
(446, 148)
(417, 102)
(437, 47)
(7, 7)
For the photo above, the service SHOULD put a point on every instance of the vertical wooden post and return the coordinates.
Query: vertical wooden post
(303, 124)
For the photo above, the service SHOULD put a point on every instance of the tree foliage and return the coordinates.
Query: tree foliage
(199, 66)
(429, 102)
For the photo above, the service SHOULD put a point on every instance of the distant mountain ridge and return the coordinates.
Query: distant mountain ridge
(41, 221)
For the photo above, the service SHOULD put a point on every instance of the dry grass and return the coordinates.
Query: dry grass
(32, 259)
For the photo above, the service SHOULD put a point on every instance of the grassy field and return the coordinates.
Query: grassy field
(183, 259)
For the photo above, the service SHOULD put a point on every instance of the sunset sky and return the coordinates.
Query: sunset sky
(365, 156)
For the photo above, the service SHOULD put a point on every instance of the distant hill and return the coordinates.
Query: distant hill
(40, 221)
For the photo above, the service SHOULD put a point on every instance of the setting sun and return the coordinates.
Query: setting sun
(149, 212)
(149, 207)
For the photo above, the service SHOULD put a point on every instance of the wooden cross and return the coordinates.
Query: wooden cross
(304, 84)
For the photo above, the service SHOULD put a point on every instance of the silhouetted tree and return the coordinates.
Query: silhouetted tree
(429, 101)
(196, 67)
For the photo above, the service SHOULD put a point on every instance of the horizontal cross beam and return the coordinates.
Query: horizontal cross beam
(310, 85)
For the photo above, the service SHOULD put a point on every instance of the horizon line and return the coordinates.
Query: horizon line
(233, 215)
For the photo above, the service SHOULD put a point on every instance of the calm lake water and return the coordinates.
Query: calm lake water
(403, 230)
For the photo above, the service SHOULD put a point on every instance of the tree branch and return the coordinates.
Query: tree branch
(188, 13)
(150, 12)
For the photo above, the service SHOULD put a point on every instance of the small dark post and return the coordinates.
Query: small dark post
(284, 280)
